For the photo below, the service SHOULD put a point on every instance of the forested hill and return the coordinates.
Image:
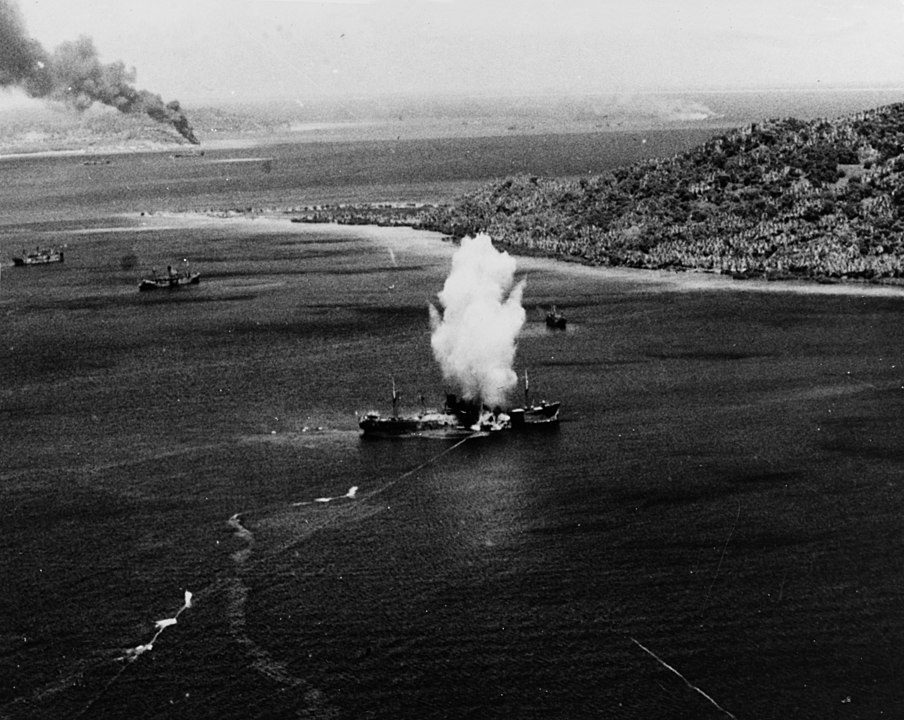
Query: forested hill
(782, 198)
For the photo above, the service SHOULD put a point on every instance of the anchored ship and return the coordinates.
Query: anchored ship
(41, 256)
(542, 415)
(534, 415)
(170, 281)
(556, 320)
(373, 424)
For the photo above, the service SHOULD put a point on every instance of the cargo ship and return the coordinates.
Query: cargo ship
(460, 417)
(373, 424)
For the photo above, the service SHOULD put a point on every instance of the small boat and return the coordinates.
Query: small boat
(534, 415)
(541, 415)
(555, 320)
(41, 256)
(172, 280)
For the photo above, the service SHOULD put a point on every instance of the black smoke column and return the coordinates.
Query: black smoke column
(73, 74)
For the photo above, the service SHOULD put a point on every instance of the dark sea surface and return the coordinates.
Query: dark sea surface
(309, 173)
(717, 521)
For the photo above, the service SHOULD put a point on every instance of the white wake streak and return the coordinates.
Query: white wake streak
(132, 654)
(352, 491)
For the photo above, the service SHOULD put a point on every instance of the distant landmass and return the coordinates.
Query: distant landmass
(820, 199)
(783, 198)
(33, 126)
(41, 127)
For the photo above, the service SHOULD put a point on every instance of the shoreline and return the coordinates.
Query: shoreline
(382, 131)
(403, 237)
(188, 149)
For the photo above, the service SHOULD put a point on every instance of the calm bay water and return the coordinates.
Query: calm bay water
(302, 174)
(724, 489)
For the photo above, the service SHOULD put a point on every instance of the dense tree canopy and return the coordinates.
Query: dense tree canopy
(779, 198)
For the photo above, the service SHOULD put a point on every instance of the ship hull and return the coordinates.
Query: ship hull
(544, 416)
(375, 426)
(556, 322)
(168, 283)
(44, 258)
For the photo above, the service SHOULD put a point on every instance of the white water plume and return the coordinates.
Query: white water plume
(352, 491)
(474, 337)
(132, 654)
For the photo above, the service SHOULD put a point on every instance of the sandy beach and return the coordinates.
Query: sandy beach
(435, 244)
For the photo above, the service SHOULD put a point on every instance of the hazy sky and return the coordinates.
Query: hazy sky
(208, 49)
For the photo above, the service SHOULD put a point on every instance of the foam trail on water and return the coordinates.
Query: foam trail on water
(261, 659)
(132, 654)
(235, 522)
(474, 336)
(129, 655)
(243, 533)
(352, 491)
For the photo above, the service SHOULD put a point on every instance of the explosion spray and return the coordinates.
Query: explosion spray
(74, 75)
(474, 337)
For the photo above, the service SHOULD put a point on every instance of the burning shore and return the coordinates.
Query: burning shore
(73, 74)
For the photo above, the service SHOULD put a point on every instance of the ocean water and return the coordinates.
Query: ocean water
(298, 174)
(716, 523)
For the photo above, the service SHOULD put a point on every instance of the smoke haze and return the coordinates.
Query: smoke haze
(74, 75)
(474, 337)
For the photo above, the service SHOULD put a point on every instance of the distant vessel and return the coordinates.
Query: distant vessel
(555, 320)
(172, 280)
(41, 256)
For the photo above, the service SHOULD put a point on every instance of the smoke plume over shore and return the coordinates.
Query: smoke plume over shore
(474, 337)
(74, 75)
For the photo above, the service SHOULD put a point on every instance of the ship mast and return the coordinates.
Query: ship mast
(395, 398)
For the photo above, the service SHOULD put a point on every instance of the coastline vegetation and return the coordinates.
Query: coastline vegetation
(785, 198)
